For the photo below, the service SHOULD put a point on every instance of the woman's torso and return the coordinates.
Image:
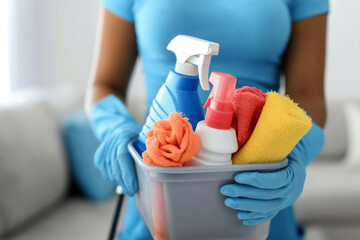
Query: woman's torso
(252, 34)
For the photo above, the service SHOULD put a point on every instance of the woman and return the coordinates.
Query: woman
(260, 40)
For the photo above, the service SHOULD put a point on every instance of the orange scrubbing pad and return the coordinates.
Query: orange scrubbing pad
(171, 142)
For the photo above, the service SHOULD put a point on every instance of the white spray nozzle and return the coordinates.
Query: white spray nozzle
(195, 51)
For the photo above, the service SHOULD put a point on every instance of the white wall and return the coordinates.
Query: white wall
(5, 53)
(343, 50)
(53, 42)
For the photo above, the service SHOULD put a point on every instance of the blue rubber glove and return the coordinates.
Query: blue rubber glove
(114, 126)
(260, 196)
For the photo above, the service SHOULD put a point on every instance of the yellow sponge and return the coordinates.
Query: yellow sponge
(280, 127)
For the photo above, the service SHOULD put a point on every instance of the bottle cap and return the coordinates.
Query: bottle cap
(219, 111)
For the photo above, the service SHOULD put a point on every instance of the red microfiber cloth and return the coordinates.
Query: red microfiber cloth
(248, 103)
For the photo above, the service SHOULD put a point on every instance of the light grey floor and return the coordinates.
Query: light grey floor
(79, 219)
(338, 232)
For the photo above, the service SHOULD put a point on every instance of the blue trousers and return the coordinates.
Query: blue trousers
(282, 227)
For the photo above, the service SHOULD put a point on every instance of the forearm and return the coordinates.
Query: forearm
(98, 91)
(314, 106)
(312, 143)
(304, 64)
(115, 56)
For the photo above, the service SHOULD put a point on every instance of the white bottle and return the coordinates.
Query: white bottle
(217, 139)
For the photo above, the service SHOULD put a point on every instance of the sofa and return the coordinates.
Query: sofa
(36, 200)
(330, 203)
(39, 195)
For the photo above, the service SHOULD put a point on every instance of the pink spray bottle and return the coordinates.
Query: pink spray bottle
(217, 139)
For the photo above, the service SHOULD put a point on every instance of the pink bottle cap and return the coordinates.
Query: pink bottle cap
(219, 111)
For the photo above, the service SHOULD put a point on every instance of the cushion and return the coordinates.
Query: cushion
(335, 132)
(33, 168)
(81, 145)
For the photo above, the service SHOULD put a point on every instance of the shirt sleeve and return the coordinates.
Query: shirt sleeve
(121, 8)
(301, 9)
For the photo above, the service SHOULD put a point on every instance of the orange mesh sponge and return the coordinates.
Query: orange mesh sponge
(280, 127)
(171, 142)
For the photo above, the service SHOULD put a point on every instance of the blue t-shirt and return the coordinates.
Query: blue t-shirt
(253, 35)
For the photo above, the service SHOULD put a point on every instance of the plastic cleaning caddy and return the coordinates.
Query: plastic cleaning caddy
(187, 195)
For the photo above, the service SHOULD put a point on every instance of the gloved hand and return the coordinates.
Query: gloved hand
(115, 127)
(260, 196)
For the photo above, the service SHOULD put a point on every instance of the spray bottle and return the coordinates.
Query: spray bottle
(179, 92)
(217, 139)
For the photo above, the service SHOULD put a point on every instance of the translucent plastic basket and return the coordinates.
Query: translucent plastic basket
(185, 203)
